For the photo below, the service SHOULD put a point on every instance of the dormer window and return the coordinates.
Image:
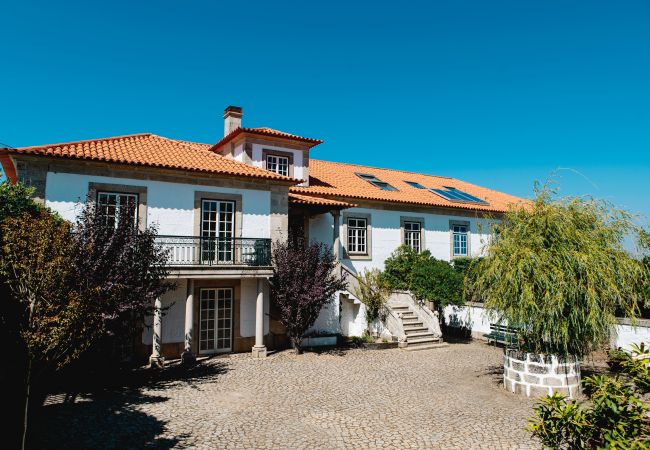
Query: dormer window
(278, 164)
(376, 181)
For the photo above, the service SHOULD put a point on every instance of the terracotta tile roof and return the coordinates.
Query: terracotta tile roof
(150, 150)
(266, 131)
(301, 199)
(339, 181)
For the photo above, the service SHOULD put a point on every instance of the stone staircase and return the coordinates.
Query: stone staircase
(418, 335)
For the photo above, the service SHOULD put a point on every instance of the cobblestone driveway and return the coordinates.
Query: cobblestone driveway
(442, 398)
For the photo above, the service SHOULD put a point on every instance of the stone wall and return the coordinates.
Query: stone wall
(539, 375)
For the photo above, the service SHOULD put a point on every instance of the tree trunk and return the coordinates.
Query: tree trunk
(27, 398)
(295, 343)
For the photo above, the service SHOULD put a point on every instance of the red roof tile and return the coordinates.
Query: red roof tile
(339, 181)
(265, 131)
(301, 199)
(150, 150)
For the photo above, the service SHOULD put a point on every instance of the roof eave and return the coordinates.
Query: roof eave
(238, 131)
(273, 178)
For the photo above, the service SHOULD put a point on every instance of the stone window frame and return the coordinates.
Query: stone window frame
(356, 256)
(199, 196)
(420, 220)
(467, 224)
(270, 152)
(140, 191)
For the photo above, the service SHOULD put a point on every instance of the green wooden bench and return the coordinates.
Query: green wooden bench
(502, 334)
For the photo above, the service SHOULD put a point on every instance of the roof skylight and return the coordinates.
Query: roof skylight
(376, 181)
(454, 195)
(415, 184)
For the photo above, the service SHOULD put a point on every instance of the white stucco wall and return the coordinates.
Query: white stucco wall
(170, 206)
(473, 317)
(386, 234)
(353, 318)
(173, 321)
(248, 307)
(476, 318)
(328, 319)
(626, 335)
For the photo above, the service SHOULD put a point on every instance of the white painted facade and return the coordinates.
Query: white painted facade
(170, 206)
(247, 307)
(386, 236)
(173, 329)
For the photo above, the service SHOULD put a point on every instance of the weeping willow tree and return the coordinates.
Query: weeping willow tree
(557, 271)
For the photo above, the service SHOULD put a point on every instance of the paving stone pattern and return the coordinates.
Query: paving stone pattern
(447, 398)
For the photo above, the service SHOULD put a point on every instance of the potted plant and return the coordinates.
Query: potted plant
(556, 270)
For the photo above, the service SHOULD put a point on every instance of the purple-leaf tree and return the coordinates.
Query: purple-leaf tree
(123, 268)
(304, 280)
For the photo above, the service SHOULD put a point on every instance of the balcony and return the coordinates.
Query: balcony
(215, 252)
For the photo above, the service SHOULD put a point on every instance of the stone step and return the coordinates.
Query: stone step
(415, 329)
(423, 340)
(415, 348)
(418, 334)
(410, 316)
(409, 326)
(410, 320)
(401, 308)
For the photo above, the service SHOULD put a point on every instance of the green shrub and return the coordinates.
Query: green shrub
(437, 281)
(373, 291)
(614, 418)
(636, 367)
(399, 266)
(559, 423)
(463, 264)
(426, 277)
(616, 358)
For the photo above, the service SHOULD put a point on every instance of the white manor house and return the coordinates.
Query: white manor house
(240, 195)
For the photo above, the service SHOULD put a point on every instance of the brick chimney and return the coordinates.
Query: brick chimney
(231, 119)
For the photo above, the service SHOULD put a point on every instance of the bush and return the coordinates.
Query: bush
(304, 280)
(614, 419)
(636, 366)
(399, 266)
(616, 358)
(462, 265)
(436, 281)
(426, 277)
(373, 291)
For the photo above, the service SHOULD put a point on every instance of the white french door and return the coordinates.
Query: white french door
(215, 333)
(217, 227)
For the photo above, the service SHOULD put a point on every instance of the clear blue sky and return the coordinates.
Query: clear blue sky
(498, 93)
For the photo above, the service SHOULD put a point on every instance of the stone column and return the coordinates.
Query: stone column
(156, 359)
(187, 357)
(259, 350)
(336, 240)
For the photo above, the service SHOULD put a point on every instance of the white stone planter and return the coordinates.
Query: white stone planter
(319, 341)
(536, 375)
